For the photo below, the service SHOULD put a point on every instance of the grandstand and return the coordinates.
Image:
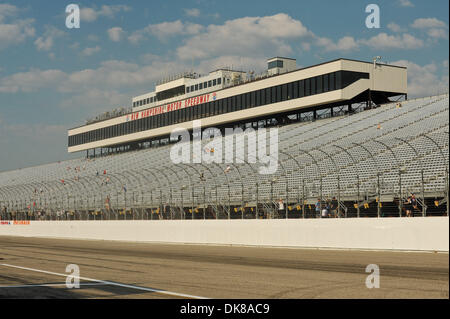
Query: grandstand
(370, 161)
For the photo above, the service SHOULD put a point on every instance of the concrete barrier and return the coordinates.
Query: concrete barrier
(420, 234)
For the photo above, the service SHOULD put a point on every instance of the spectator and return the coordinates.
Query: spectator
(334, 206)
(318, 206)
(325, 211)
(280, 205)
(408, 206)
(413, 203)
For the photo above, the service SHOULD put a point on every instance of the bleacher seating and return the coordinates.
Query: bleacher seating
(326, 158)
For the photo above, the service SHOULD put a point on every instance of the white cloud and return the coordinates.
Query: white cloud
(425, 23)
(90, 14)
(385, 41)
(165, 30)
(306, 46)
(406, 3)
(394, 27)
(90, 51)
(110, 11)
(245, 36)
(344, 44)
(424, 80)
(438, 33)
(15, 32)
(96, 100)
(7, 10)
(31, 81)
(194, 12)
(115, 34)
(45, 42)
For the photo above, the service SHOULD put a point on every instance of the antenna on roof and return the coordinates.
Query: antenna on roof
(375, 61)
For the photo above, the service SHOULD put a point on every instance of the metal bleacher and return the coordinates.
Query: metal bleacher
(360, 158)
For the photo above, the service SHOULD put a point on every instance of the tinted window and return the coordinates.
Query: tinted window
(263, 97)
(307, 87)
(278, 93)
(319, 88)
(338, 80)
(295, 90)
(332, 79)
(243, 102)
(268, 95)
(238, 102)
(284, 92)
(227, 106)
(273, 93)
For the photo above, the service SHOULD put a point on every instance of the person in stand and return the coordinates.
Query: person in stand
(326, 210)
(280, 206)
(413, 201)
(318, 207)
(408, 206)
(333, 207)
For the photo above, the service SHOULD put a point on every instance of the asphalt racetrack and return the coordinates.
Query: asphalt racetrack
(36, 268)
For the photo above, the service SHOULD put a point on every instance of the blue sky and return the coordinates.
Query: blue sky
(53, 78)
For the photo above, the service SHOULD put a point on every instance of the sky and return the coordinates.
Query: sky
(53, 78)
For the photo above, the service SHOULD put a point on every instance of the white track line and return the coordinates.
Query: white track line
(51, 285)
(165, 292)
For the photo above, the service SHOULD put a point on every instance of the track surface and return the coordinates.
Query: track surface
(141, 270)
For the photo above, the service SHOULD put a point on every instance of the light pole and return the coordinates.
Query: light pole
(357, 176)
(401, 170)
(446, 167)
(421, 173)
(320, 175)
(338, 180)
(298, 166)
(378, 177)
(272, 181)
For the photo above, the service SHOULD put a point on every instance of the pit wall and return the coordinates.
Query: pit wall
(416, 234)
